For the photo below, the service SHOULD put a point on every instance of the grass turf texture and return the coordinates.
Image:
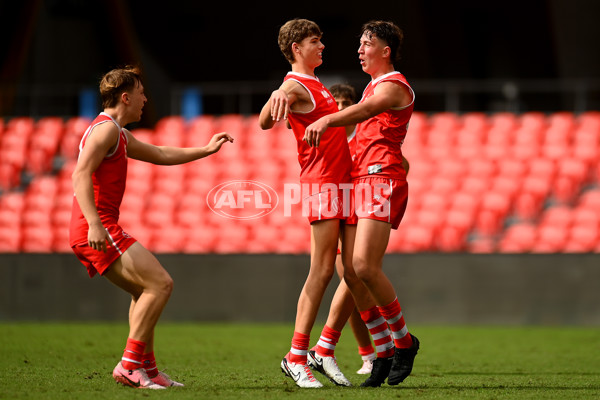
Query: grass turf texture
(241, 361)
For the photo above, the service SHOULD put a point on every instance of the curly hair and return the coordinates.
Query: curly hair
(117, 81)
(294, 31)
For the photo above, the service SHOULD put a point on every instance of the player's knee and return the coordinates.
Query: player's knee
(168, 285)
(163, 286)
(322, 272)
(361, 268)
(351, 278)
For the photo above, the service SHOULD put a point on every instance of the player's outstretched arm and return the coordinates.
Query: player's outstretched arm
(168, 155)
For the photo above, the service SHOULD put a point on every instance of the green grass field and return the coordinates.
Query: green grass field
(241, 361)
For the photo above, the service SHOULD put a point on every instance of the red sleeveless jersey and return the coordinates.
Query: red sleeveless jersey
(379, 139)
(330, 162)
(109, 184)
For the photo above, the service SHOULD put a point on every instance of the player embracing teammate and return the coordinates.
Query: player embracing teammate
(377, 205)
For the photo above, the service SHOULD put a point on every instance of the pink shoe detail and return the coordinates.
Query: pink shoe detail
(136, 378)
(165, 380)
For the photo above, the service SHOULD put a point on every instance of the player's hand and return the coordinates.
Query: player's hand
(280, 105)
(217, 141)
(313, 132)
(98, 238)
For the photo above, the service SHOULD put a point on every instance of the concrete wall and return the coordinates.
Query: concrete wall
(432, 288)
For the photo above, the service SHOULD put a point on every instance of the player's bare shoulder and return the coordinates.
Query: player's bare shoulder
(397, 93)
(302, 98)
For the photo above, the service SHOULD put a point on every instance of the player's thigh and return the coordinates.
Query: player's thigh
(370, 243)
(324, 240)
(325, 235)
(138, 269)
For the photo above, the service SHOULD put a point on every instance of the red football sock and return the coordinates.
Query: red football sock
(367, 352)
(378, 328)
(133, 354)
(150, 364)
(393, 315)
(299, 348)
(326, 345)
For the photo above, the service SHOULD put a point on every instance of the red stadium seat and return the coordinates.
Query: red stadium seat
(512, 168)
(233, 237)
(429, 219)
(481, 245)
(74, 129)
(587, 153)
(37, 239)
(464, 202)
(36, 217)
(460, 219)
(555, 152)
(502, 130)
(507, 187)
(451, 240)
(12, 201)
(590, 199)
(61, 218)
(9, 218)
(550, 239)
(295, 238)
(542, 167)
(60, 240)
(534, 120)
(574, 168)
(14, 155)
(526, 151)
(558, 216)
(10, 239)
(582, 239)
(582, 215)
(265, 239)
(565, 120)
(475, 185)
(488, 222)
(518, 238)
(527, 206)
(496, 152)
(434, 202)
(10, 175)
(443, 185)
(201, 240)
(419, 124)
(453, 169)
(21, 127)
(416, 239)
(565, 189)
(493, 210)
(168, 238)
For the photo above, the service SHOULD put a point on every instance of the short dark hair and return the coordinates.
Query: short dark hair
(343, 90)
(389, 32)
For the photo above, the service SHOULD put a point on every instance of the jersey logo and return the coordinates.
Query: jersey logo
(374, 169)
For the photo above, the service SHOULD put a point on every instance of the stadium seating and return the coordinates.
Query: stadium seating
(478, 183)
